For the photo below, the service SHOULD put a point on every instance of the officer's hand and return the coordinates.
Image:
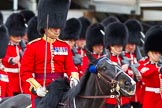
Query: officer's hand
(41, 91)
(73, 82)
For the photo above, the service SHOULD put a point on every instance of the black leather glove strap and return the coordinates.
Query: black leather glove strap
(11, 61)
(33, 91)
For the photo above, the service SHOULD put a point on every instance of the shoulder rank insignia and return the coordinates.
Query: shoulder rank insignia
(35, 40)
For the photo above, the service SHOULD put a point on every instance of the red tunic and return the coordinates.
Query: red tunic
(59, 60)
(151, 78)
(124, 100)
(133, 60)
(81, 51)
(12, 69)
(81, 68)
(141, 62)
(85, 61)
(4, 85)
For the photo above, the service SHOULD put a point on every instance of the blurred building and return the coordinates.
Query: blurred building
(149, 11)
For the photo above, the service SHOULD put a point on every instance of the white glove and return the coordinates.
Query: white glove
(41, 91)
(73, 82)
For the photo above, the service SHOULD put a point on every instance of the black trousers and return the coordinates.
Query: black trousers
(115, 106)
(36, 101)
(136, 105)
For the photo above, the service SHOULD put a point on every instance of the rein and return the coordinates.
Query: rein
(107, 80)
(114, 87)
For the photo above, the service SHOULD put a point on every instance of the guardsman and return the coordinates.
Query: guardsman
(11, 61)
(109, 20)
(70, 34)
(106, 22)
(133, 54)
(116, 36)
(48, 58)
(4, 80)
(151, 71)
(27, 15)
(32, 32)
(94, 43)
(81, 42)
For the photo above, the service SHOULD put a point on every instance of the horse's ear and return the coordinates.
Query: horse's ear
(92, 59)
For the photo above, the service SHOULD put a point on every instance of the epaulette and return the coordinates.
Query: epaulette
(143, 58)
(146, 63)
(35, 40)
(63, 41)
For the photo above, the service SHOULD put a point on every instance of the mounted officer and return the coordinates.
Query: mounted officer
(48, 58)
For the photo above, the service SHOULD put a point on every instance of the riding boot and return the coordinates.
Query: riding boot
(36, 101)
(109, 106)
(136, 105)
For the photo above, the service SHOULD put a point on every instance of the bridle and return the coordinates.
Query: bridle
(107, 81)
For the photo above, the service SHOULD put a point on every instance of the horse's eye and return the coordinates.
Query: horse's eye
(104, 68)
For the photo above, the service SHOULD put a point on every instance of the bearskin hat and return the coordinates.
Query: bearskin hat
(16, 25)
(32, 31)
(72, 29)
(94, 35)
(1, 18)
(116, 34)
(56, 10)
(4, 39)
(134, 29)
(85, 24)
(27, 14)
(109, 20)
(153, 39)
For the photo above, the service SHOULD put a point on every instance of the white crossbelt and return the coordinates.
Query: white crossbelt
(11, 70)
(151, 89)
(4, 78)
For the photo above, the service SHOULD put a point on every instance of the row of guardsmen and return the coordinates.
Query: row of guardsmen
(22, 68)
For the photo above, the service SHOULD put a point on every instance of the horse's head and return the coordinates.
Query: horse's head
(112, 78)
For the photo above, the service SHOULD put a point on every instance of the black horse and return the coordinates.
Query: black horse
(108, 80)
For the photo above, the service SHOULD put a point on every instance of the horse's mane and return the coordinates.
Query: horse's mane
(56, 90)
(60, 90)
(80, 87)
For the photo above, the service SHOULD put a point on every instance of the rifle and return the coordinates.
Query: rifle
(77, 57)
(132, 66)
(23, 47)
(138, 53)
(160, 62)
